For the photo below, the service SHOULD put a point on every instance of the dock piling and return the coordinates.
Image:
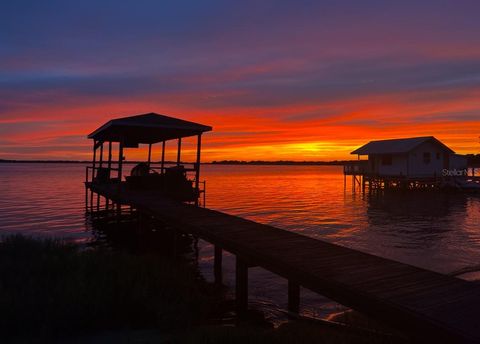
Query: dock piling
(241, 285)
(293, 297)
(217, 265)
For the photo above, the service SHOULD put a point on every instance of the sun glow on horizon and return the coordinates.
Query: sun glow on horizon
(381, 72)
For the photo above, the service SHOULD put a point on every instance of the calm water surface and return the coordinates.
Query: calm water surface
(430, 230)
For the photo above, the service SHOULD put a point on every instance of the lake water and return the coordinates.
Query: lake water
(437, 231)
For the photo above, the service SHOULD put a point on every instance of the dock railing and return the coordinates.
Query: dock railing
(91, 173)
(92, 176)
(359, 167)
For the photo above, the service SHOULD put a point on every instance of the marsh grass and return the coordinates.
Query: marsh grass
(291, 333)
(54, 291)
(50, 288)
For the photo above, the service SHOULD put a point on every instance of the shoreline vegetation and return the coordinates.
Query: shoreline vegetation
(56, 291)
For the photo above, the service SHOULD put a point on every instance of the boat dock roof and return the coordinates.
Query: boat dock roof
(147, 128)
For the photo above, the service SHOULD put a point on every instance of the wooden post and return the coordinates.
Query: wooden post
(119, 212)
(94, 158)
(100, 164)
(120, 161)
(197, 169)
(86, 197)
(179, 149)
(91, 200)
(204, 193)
(217, 265)
(293, 297)
(93, 170)
(109, 164)
(163, 157)
(149, 154)
(241, 286)
(100, 160)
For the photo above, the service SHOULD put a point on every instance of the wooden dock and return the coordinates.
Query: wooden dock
(425, 305)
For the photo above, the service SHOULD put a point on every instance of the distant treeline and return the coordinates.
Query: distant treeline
(222, 162)
(473, 160)
(79, 161)
(280, 162)
(47, 161)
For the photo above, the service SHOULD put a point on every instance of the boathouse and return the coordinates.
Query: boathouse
(416, 161)
(177, 180)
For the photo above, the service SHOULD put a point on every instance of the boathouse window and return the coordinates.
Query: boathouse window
(426, 157)
(387, 159)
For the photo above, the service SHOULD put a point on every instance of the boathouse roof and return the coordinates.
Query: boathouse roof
(147, 128)
(397, 146)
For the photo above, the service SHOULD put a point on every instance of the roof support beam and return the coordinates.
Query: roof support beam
(120, 161)
(97, 143)
(109, 164)
(197, 167)
(179, 149)
(149, 154)
(94, 158)
(101, 155)
(162, 166)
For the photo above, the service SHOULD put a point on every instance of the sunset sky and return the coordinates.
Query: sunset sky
(297, 80)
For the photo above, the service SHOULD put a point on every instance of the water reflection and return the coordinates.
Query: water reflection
(431, 230)
(139, 234)
(416, 219)
(425, 229)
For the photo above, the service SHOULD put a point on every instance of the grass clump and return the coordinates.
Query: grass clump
(50, 288)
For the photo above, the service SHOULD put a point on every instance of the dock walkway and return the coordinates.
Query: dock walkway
(429, 306)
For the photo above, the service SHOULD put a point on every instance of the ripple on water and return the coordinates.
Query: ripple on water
(47, 200)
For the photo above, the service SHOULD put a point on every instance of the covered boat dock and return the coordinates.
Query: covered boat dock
(147, 129)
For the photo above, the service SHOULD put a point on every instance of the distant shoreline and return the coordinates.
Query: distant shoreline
(223, 162)
(281, 162)
(473, 161)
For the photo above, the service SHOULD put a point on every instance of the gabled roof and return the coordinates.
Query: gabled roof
(147, 128)
(397, 146)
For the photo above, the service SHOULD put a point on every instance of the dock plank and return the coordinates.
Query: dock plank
(423, 303)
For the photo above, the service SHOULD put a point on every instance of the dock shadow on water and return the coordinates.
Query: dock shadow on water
(138, 233)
